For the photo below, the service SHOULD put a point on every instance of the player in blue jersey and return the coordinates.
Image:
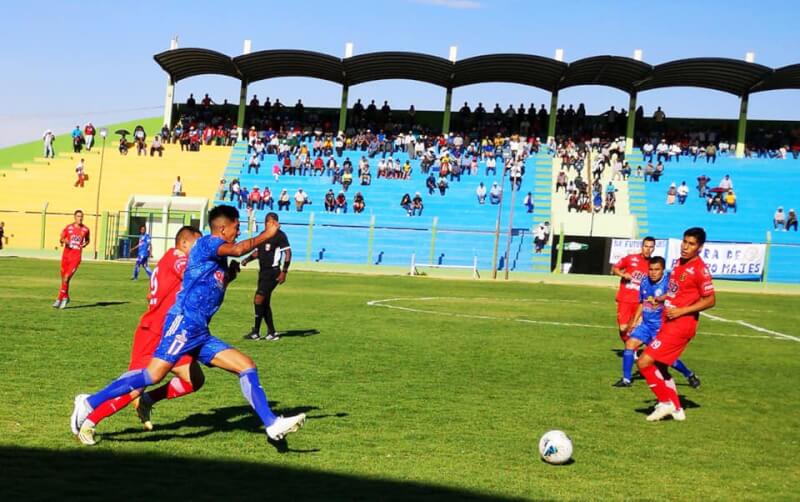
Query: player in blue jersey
(652, 293)
(143, 250)
(186, 326)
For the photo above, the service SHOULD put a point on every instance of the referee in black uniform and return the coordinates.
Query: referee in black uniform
(270, 274)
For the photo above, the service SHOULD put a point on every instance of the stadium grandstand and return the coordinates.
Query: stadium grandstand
(522, 189)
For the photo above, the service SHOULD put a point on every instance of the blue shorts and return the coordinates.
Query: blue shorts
(645, 333)
(182, 336)
(141, 260)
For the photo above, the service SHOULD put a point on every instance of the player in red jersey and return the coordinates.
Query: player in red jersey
(74, 238)
(165, 283)
(631, 269)
(690, 292)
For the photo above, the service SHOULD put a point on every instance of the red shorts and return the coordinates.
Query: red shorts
(625, 312)
(70, 261)
(145, 342)
(671, 340)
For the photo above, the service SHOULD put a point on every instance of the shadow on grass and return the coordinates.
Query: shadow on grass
(219, 420)
(299, 332)
(98, 304)
(85, 474)
(687, 404)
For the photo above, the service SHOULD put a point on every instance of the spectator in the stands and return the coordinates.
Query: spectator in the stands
(647, 151)
(648, 171)
(254, 198)
(416, 205)
(480, 192)
(540, 237)
(81, 175)
(177, 187)
(658, 172)
(729, 201)
(495, 194)
(726, 183)
(156, 146)
(405, 203)
(702, 184)
(88, 136)
(430, 183)
(711, 153)
(340, 205)
(253, 163)
(276, 171)
(662, 151)
(528, 202)
(77, 139)
(610, 205)
(330, 201)
(300, 198)
(561, 180)
(48, 138)
(683, 192)
(283, 200)
(244, 195)
(266, 198)
(491, 165)
(222, 191)
(123, 146)
(791, 220)
(443, 186)
(358, 203)
(672, 192)
(779, 219)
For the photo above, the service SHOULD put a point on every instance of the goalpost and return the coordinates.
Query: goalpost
(414, 266)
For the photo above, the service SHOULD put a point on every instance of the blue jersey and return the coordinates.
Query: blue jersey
(144, 245)
(203, 287)
(653, 311)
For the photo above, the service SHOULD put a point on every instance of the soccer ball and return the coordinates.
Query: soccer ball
(555, 447)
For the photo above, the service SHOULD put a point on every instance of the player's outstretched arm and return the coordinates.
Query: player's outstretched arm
(241, 248)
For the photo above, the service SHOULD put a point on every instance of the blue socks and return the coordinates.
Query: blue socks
(627, 364)
(128, 382)
(254, 393)
(678, 365)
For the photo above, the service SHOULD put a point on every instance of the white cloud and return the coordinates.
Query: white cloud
(452, 4)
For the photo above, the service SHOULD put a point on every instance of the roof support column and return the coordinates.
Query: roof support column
(170, 97)
(242, 108)
(631, 126)
(551, 122)
(343, 109)
(741, 130)
(448, 98)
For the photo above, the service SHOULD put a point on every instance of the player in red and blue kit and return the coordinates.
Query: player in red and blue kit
(74, 238)
(631, 270)
(186, 326)
(652, 293)
(164, 286)
(143, 250)
(690, 292)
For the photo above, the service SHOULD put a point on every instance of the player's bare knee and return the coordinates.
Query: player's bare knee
(246, 364)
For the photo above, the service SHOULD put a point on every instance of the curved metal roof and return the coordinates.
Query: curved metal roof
(289, 63)
(525, 69)
(403, 65)
(613, 71)
(787, 77)
(721, 74)
(191, 62)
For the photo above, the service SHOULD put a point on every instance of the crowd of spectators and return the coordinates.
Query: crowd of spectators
(782, 221)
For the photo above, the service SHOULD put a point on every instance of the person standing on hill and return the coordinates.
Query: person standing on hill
(48, 139)
(79, 171)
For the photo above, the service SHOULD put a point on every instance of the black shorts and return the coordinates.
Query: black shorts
(267, 281)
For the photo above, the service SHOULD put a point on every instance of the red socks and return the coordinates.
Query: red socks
(108, 408)
(665, 391)
(64, 291)
(174, 388)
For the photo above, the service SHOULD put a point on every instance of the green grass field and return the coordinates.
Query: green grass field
(443, 399)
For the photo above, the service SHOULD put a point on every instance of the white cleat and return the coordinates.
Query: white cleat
(86, 434)
(56, 304)
(679, 415)
(285, 425)
(79, 413)
(661, 411)
(64, 303)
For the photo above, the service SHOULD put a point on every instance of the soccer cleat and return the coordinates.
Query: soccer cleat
(79, 413)
(143, 411)
(86, 434)
(679, 415)
(661, 411)
(272, 337)
(253, 335)
(56, 304)
(285, 425)
(64, 303)
(622, 383)
(693, 381)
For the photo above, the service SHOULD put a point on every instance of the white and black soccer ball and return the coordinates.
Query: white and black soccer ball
(555, 447)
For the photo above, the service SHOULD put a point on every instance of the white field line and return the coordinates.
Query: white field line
(751, 326)
(385, 304)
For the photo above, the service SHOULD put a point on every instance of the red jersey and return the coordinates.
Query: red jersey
(638, 266)
(164, 286)
(75, 237)
(688, 283)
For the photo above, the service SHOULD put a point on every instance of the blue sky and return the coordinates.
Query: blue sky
(72, 61)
